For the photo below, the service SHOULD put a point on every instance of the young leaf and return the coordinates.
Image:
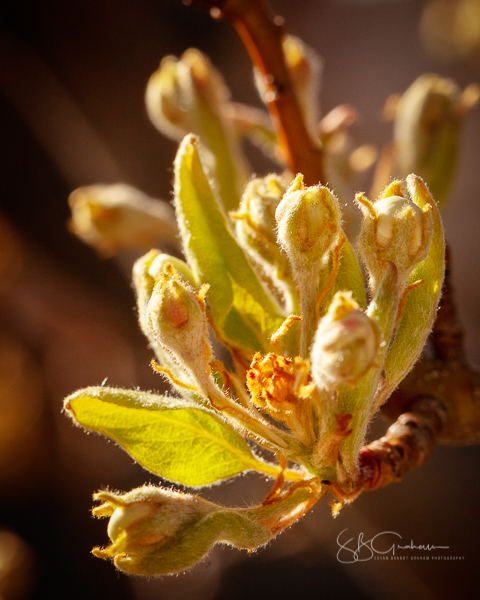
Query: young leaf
(168, 436)
(243, 311)
(349, 276)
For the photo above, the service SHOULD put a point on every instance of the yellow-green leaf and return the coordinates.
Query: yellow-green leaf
(244, 312)
(349, 276)
(168, 436)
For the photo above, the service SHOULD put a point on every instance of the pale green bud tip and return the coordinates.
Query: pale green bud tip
(346, 344)
(117, 217)
(144, 525)
(175, 89)
(396, 229)
(309, 222)
(389, 211)
(124, 518)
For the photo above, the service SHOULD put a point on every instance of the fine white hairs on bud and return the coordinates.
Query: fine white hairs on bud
(395, 230)
(309, 225)
(346, 344)
(145, 521)
(176, 319)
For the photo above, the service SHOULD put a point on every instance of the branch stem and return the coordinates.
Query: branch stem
(262, 36)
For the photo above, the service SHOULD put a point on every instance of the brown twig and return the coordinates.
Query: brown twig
(447, 376)
(408, 444)
(262, 36)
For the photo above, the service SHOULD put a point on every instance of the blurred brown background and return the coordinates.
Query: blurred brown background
(72, 78)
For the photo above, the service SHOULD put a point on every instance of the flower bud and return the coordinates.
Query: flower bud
(155, 531)
(144, 521)
(256, 222)
(395, 230)
(346, 344)
(256, 232)
(188, 95)
(427, 129)
(176, 319)
(172, 93)
(119, 217)
(309, 223)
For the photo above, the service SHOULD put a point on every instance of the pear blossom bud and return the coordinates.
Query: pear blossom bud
(395, 230)
(427, 129)
(256, 227)
(309, 223)
(155, 531)
(119, 217)
(143, 521)
(346, 344)
(176, 319)
(173, 91)
(188, 95)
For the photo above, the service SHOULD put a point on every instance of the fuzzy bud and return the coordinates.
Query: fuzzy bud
(174, 91)
(427, 130)
(176, 319)
(119, 217)
(188, 95)
(395, 230)
(309, 223)
(155, 531)
(256, 229)
(145, 521)
(346, 344)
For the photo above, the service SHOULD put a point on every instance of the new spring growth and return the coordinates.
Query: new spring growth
(427, 128)
(395, 230)
(309, 225)
(346, 344)
(176, 319)
(155, 531)
(119, 217)
(188, 95)
(255, 226)
(144, 525)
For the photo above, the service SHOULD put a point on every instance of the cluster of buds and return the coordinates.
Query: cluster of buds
(302, 361)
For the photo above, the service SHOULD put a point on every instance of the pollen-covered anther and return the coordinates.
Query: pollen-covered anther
(282, 387)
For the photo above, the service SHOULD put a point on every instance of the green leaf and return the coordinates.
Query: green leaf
(170, 437)
(243, 310)
(349, 276)
(421, 305)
